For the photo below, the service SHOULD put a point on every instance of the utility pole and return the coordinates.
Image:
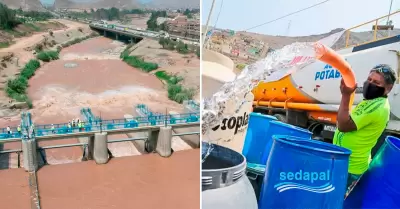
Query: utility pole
(101, 124)
(390, 10)
(207, 23)
(288, 28)
(166, 117)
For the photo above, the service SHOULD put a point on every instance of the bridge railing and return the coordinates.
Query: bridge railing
(147, 33)
(62, 128)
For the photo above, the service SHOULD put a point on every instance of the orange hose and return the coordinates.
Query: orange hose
(327, 55)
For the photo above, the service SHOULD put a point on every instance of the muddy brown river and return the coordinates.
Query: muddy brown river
(89, 74)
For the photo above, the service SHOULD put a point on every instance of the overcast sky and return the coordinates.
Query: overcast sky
(241, 15)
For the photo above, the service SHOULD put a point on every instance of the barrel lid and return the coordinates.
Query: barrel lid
(256, 114)
(310, 144)
(214, 178)
(280, 123)
(393, 142)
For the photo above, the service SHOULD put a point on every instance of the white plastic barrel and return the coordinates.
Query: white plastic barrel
(232, 130)
(224, 182)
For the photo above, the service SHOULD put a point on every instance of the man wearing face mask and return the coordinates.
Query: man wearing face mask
(360, 129)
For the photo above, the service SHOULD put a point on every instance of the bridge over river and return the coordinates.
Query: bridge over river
(93, 124)
(127, 33)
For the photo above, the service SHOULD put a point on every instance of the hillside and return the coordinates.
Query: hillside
(277, 42)
(95, 4)
(34, 5)
(173, 4)
(246, 47)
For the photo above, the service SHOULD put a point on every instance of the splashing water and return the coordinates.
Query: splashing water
(208, 152)
(276, 65)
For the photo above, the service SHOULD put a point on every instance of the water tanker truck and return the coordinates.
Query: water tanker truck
(310, 98)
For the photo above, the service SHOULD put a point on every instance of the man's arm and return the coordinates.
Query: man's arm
(344, 121)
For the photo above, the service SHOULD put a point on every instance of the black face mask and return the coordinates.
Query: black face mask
(372, 91)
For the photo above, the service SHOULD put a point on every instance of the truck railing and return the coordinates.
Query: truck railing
(377, 28)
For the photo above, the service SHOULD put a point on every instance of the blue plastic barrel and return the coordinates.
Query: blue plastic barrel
(280, 128)
(260, 137)
(379, 187)
(303, 173)
(256, 137)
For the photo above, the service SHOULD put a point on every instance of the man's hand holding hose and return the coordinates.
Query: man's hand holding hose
(327, 55)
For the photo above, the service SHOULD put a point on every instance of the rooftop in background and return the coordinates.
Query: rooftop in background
(147, 181)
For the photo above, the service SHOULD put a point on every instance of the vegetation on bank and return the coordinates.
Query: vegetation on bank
(170, 79)
(78, 40)
(29, 16)
(16, 88)
(176, 92)
(179, 46)
(11, 18)
(152, 22)
(189, 13)
(47, 56)
(34, 27)
(8, 18)
(138, 62)
(104, 14)
(4, 44)
(135, 11)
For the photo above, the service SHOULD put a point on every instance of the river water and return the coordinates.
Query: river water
(89, 74)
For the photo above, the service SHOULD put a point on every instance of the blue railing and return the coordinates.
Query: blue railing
(88, 115)
(146, 111)
(62, 128)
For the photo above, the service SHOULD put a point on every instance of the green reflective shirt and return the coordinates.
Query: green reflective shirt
(371, 118)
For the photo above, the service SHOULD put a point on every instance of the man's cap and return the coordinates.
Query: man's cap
(388, 73)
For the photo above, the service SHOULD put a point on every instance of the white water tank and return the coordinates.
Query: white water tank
(218, 69)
